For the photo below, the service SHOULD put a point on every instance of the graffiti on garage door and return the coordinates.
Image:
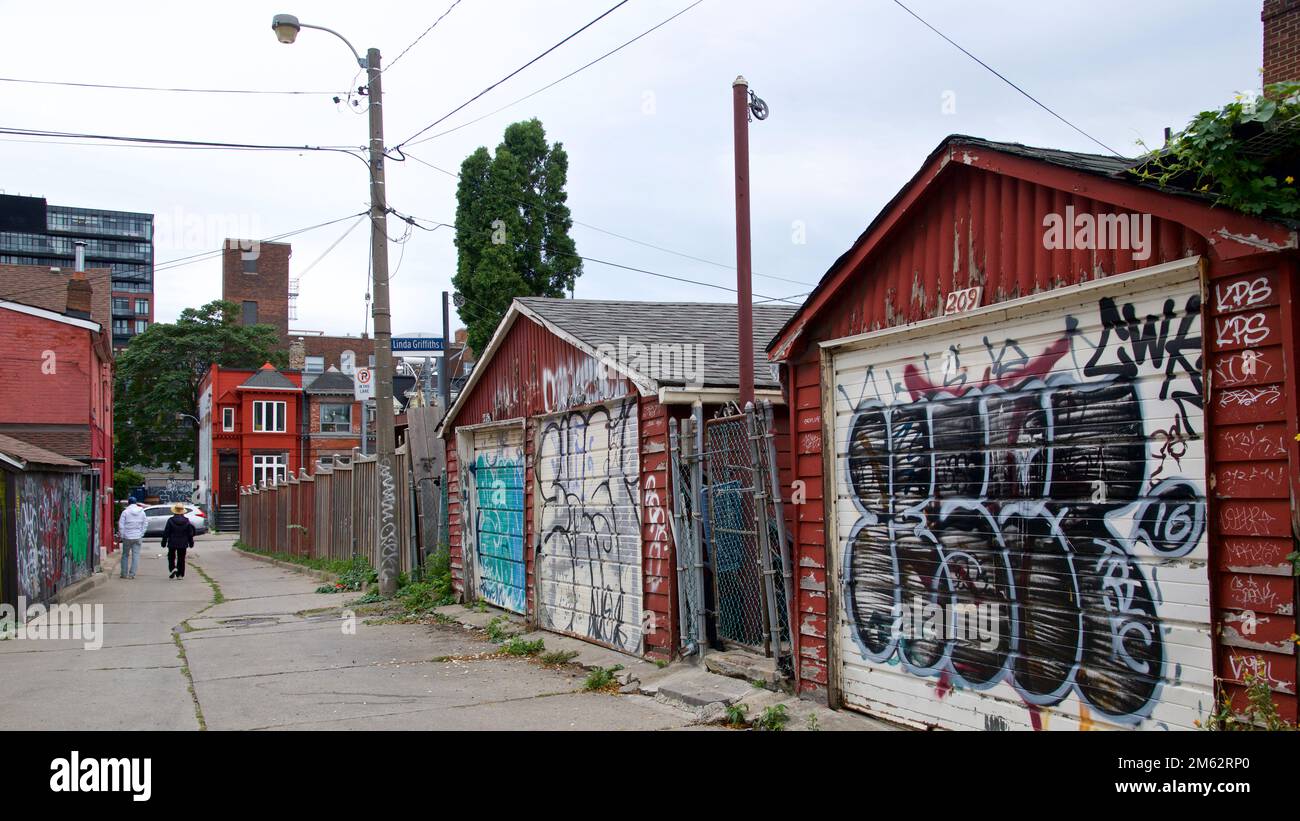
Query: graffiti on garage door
(1049, 478)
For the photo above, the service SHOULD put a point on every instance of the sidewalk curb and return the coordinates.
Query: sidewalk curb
(80, 588)
(307, 571)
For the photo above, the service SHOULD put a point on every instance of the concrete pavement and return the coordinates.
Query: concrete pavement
(270, 653)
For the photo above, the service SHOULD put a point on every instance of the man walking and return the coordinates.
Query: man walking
(177, 537)
(130, 527)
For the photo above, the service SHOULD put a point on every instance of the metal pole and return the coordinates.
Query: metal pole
(744, 297)
(446, 354)
(761, 523)
(389, 559)
(697, 514)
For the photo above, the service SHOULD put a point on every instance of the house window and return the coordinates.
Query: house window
(268, 416)
(336, 418)
(315, 364)
(142, 306)
(121, 327)
(271, 468)
(227, 418)
(140, 325)
(250, 312)
(121, 305)
(250, 263)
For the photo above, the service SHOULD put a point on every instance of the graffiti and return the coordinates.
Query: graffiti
(1243, 293)
(589, 561)
(1247, 520)
(499, 511)
(176, 490)
(1248, 592)
(1238, 368)
(1258, 442)
(566, 385)
(53, 528)
(1249, 397)
(1240, 330)
(1034, 490)
(388, 558)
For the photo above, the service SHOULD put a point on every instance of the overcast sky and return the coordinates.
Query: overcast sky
(856, 91)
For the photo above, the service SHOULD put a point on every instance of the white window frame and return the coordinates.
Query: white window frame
(325, 405)
(272, 467)
(314, 364)
(227, 419)
(277, 416)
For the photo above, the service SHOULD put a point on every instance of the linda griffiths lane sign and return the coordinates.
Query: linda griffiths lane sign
(415, 344)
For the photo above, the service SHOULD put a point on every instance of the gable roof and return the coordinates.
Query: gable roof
(597, 327)
(332, 381)
(41, 287)
(1098, 176)
(21, 454)
(268, 378)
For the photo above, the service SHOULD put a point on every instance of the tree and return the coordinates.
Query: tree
(126, 480)
(158, 375)
(512, 228)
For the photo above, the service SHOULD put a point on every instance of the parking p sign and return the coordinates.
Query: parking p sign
(363, 387)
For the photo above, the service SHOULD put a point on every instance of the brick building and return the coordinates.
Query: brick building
(250, 431)
(1281, 40)
(57, 371)
(333, 417)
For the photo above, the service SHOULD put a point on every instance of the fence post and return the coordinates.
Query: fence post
(764, 535)
(680, 539)
(778, 506)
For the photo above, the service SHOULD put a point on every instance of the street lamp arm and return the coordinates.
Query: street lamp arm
(361, 61)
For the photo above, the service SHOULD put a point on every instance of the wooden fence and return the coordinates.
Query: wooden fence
(331, 514)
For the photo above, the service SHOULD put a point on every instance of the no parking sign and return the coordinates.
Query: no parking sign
(363, 387)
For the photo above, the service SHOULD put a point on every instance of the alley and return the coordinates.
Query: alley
(274, 654)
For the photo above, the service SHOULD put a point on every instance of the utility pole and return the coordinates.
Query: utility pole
(446, 355)
(384, 435)
(744, 293)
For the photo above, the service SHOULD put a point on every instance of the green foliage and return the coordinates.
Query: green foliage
(602, 679)
(158, 375)
(499, 629)
(1260, 713)
(736, 714)
(773, 718)
(1214, 154)
(558, 657)
(512, 228)
(812, 723)
(433, 591)
(124, 481)
(518, 647)
(373, 597)
(358, 574)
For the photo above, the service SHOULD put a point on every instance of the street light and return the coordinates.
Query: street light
(286, 27)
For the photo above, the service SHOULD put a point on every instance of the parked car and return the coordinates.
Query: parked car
(156, 519)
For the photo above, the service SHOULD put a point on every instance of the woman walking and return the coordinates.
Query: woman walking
(177, 537)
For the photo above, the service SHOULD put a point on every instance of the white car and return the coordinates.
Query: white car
(156, 519)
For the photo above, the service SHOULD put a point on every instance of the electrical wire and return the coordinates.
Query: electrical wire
(1001, 77)
(417, 40)
(578, 70)
(304, 272)
(569, 37)
(167, 142)
(162, 88)
(622, 236)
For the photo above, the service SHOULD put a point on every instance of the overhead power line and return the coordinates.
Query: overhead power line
(1001, 77)
(624, 237)
(417, 40)
(164, 88)
(567, 38)
(202, 256)
(167, 142)
(578, 70)
(619, 265)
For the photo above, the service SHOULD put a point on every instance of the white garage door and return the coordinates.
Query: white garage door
(589, 559)
(497, 473)
(1020, 513)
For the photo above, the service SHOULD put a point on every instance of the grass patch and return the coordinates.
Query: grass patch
(557, 657)
(736, 715)
(602, 679)
(773, 718)
(336, 567)
(189, 679)
(217, 596)
(500, 629)
(518, 647)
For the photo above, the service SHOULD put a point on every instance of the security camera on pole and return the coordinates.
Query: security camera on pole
(286, 28)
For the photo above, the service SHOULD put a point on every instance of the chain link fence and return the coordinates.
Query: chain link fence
(733, 553)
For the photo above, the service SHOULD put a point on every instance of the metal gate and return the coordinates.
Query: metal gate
(589, 576)
(1019, 509)
(729, 520)
(497, 483)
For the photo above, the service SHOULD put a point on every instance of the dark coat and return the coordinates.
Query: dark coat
(178, 532)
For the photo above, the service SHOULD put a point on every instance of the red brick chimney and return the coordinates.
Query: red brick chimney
(80, 291)
(1281, 41)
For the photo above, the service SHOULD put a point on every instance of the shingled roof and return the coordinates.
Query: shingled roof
(268, 378)
(28, 454)
(333, 381)
(710, 325)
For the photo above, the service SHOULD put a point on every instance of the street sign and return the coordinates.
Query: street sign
(404, 344)
(363, 386)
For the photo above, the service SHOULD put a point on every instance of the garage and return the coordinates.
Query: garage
(497, 508)
(589, 545)
(1019, 511)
